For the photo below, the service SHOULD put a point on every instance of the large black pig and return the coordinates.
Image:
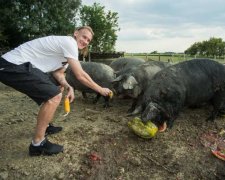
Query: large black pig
(188, 83)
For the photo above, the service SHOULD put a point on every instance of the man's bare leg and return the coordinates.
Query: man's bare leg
(45, 116)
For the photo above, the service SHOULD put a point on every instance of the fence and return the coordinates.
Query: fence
(102, 55)
(171, 57)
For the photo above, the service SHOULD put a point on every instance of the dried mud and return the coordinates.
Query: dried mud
(98, 144)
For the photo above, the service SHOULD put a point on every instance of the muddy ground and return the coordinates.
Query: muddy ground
(98, 144)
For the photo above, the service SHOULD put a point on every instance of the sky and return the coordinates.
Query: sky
(165, 25)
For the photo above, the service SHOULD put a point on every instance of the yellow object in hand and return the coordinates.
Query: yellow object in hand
(111, 95)
(67, 106)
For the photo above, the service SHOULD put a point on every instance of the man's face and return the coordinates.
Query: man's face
(83, 38)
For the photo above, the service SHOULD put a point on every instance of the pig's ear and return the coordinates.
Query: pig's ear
(137, 91)
(130, 83)
(132, 80)
(117, 79)
(136, 111)
(127, 85)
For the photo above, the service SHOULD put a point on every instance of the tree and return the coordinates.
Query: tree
(212, 47)
(10, 34)
(154, 52)
(193, 50)
(23, 20)
(104, 25)
(221, 49)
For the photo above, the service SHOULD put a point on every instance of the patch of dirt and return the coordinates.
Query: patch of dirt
(98, 144)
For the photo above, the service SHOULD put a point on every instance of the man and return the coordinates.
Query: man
(25, 69)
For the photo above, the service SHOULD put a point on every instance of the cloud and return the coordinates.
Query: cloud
(168, 25)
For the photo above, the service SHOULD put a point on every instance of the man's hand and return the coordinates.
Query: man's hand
(105, 91)
(70, 93)
(60, 77)
(85, 79)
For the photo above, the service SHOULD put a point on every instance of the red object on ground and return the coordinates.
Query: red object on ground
(215, 142)
(95, 157)
(219, 154)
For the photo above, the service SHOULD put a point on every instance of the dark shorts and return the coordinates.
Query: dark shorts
(28, 80)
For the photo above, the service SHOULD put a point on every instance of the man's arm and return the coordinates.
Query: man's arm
(85, 79)
(60, 77)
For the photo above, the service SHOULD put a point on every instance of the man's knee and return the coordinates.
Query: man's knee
(56, 99)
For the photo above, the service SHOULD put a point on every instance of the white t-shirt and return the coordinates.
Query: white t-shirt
(46, 53)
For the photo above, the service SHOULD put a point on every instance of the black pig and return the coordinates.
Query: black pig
(188, 83)
(133, 83)
(101, 73)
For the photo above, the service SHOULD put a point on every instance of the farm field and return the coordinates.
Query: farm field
(166, 58)
(99, 145)
(173, 58)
